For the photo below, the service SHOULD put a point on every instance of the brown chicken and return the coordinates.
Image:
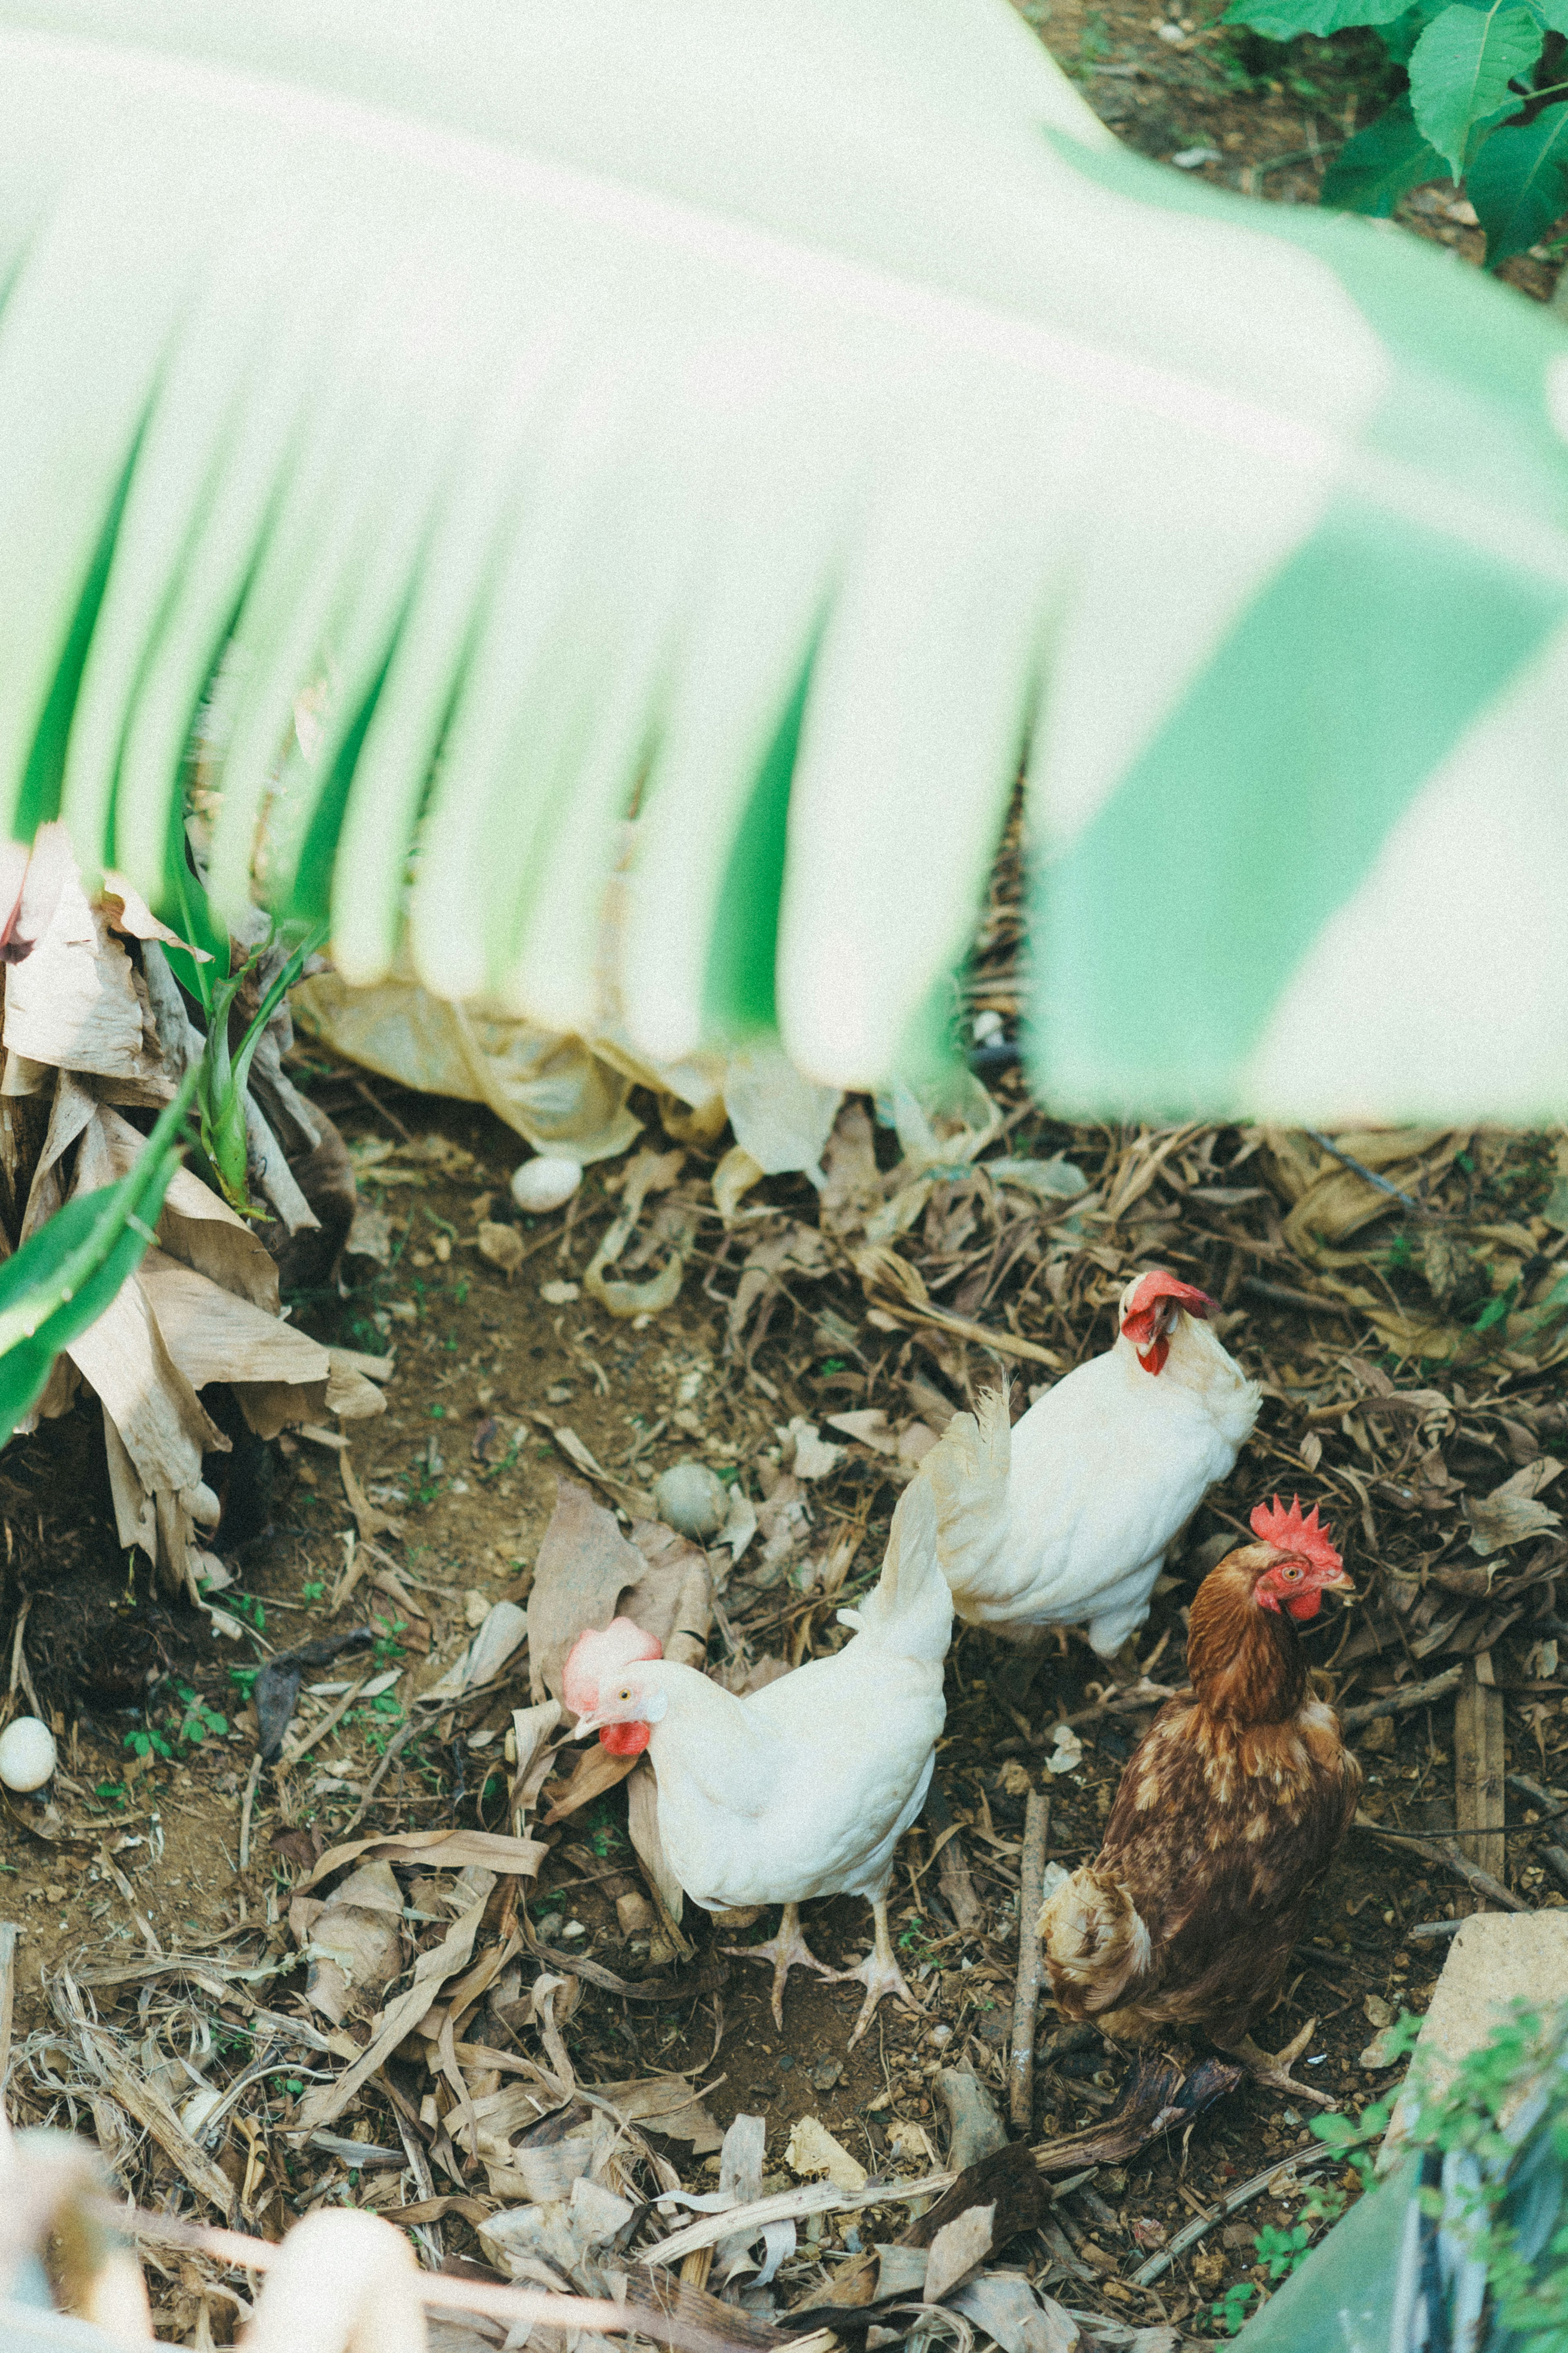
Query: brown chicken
(1227, 1815)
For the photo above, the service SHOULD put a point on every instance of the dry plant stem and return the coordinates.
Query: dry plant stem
(1031, 1961)
(9, 1934)
(1479, 1764)
(245, 1803)
(293, 1751)
(1396, 1703)
(235, 2251)
(1448, 1855)
(395, 1748)
(1158, 2265)
(1551, 1807)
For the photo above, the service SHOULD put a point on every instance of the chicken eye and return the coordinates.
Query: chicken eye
(623, 1694)
(1290, 1572)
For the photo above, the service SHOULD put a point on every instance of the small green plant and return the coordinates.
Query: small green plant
(222, 1074)
(603, 1835)
(386, 1647)
(148, 1742)
(196, 1719)
(313, 1591)
(248, 1605)
(1484, 106)
(1279, 2251)
(1229, 2308)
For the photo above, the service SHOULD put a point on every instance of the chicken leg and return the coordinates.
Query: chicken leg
(880, 1972)
(1274, 2072)
(787, 1950)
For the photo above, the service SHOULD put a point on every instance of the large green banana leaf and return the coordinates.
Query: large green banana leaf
(776, 419)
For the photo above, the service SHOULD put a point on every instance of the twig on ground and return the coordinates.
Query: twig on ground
(1551, 1807)
(1368, 1176)
(251, 1780)
(1282, 1295)
(1031, 1961)
(1303, 2160)
(1395, 1703)
(7, 1999)
(1443, 1851)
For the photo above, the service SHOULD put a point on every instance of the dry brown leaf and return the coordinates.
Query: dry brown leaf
(324, 2103)
(596, 1771)
(356, 1943)
(369, 1519)
(955, 2251)
(642, 1828)
(871, 1429)
(1511, 1514)
(587, 1573)
(487, 1850)
(73, 1002)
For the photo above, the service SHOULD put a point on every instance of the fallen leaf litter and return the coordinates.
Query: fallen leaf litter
(455, 1983)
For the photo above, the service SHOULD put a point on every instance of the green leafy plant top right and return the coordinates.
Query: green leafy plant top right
(1484, 107)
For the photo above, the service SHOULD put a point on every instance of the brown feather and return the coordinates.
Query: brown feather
(1227, 1815)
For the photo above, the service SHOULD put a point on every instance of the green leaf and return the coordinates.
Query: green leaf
(1519, 183)
(1375, 168)
(63, 1278)
(1460, 70)
(1400, 37)
(442, 449)
(1281, 20)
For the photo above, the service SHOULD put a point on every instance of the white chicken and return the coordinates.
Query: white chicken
(1065, 1520)
(804, 1787)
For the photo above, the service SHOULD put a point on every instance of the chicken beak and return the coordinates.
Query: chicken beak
(1341, 1590)
(586, 1723)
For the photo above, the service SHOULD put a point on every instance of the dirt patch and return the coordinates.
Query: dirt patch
(490, 1373)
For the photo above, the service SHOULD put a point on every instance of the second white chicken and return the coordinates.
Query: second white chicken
(804, 1787)
(1065, 1520)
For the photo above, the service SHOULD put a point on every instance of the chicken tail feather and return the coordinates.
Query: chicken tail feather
(1096, 1942)
(909, 1605)
(965, 1480)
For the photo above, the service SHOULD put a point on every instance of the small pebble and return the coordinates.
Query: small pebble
(825, 2074)
(545, 1183)
(940, 2036)
(691, 1500)
(785, 2061)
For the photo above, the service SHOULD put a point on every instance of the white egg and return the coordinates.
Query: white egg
(545, 1183)
(27, 1753)
(690, 1499)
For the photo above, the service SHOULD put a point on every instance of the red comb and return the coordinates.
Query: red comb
(600, 1654)
(1287, 1531)
(1160, 1284)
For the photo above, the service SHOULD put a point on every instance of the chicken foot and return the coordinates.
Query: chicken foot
(788, 1950)
(880, 1972)
(1274, 2072)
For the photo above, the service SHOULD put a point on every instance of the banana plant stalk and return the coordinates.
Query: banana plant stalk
(63, 1278)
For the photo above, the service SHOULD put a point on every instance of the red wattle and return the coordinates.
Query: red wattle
(1305, 1605)
(1153, 1360)
(626, 1740)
